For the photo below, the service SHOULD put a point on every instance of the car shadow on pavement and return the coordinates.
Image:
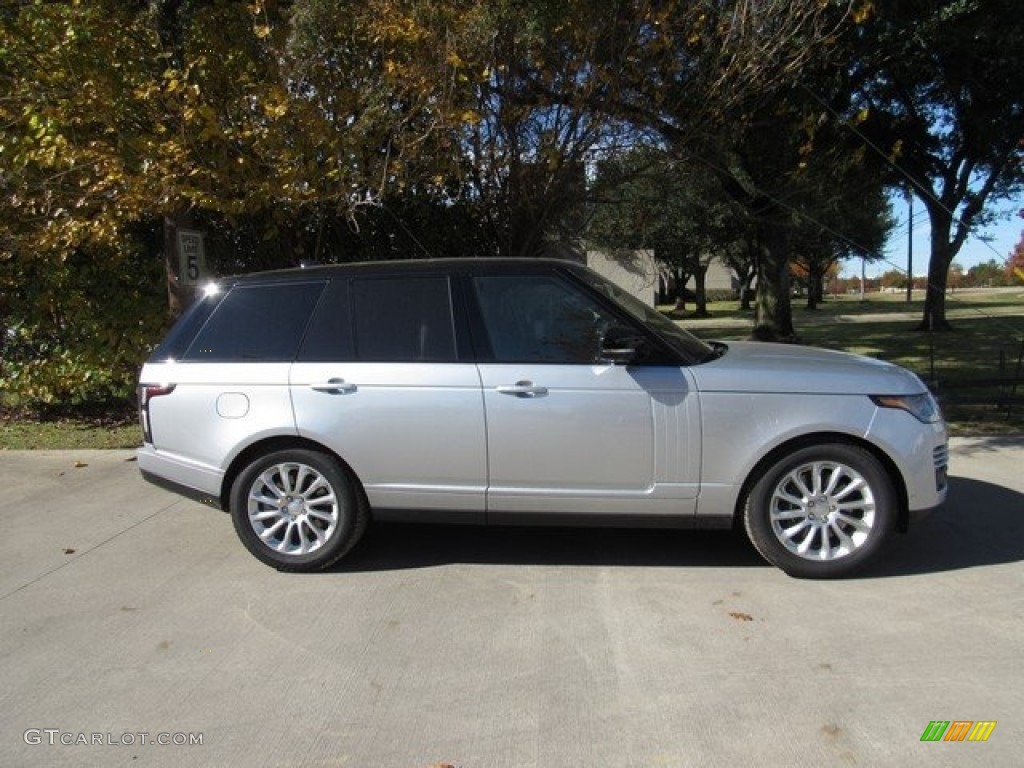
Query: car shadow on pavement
(395, 546)
(980, 524)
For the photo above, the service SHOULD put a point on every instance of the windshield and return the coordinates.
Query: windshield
(684, 342)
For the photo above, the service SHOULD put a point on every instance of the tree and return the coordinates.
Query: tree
(893, 279)
(524, 158)
(122, 121)
(941, 92)
(849, 216)
(521, 79)
(75, 266)
(336, 129)
(647, 199)
(119, 112)
(988, 274)
(720, 84)
(808, 192)
(1015, 264)
(679, 70)
(957, 276)
(814, 274)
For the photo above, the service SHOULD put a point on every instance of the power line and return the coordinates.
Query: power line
(926, 192)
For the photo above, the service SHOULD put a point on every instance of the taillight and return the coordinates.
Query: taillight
(146, 393)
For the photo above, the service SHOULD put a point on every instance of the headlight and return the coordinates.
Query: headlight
(922, 407)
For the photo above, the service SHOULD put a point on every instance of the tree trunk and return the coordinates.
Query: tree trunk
(939, 261)
(773, 317)
(178, 296)
(174, 302)
(815, 287)
(934, 318)
(680, 277)
(745, 273)
(746, 292)
(700, 288)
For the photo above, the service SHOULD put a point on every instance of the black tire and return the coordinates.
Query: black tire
(297, 510)
(839, 520)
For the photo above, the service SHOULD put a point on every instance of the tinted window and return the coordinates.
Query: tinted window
(181, 334)
(406, 319)
(257, 323)
(329, 337)
(540, 319)
(693, 349)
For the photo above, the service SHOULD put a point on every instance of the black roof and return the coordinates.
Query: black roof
(404, 267)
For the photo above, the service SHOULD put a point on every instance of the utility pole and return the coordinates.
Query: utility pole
(910, 246)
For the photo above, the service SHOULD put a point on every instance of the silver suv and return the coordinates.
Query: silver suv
(308, 402)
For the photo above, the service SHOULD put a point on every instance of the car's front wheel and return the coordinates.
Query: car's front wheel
(297, 510)
(821, 512)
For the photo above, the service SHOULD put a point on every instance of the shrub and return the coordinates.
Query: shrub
(73, 332)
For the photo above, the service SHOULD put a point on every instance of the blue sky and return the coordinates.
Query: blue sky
(1001, 237)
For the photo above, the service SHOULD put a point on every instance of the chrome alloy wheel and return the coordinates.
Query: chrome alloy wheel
(292, 508)
(822, 510)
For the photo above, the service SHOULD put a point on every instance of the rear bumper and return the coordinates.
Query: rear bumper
(182, 477)
(183, 490)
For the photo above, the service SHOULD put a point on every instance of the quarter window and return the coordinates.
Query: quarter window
(174, 346)
(257, 323)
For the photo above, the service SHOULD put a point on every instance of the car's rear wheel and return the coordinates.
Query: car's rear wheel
(297, 510)
(822, 511)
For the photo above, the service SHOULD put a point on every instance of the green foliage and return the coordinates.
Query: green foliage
(329, 130)
(114, 115)
(648, 199)
(989, 274)
(75, 332)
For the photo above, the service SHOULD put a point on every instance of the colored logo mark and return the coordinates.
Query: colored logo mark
(958, 730)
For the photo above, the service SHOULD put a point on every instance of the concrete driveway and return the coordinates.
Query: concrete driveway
(129, 617)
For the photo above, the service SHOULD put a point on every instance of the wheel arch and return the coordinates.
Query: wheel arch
(826, 438)
(281, 443)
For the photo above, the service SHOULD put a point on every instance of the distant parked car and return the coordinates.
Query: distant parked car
(308, 402)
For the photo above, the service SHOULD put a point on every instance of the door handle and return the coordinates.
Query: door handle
(335, 387)
(522, 389)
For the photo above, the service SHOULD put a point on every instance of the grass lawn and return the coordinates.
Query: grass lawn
(21, 434)
(987, 343)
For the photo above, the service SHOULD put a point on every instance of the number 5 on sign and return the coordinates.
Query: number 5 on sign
(191, 255)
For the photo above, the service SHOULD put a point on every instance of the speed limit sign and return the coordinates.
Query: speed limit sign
(191, 255)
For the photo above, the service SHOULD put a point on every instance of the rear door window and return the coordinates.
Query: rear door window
(329, 338)
(403, 319)
(383, 319)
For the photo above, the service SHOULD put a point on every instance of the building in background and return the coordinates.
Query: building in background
(639, 273)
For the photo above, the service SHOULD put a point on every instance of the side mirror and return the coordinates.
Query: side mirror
(622, 345)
